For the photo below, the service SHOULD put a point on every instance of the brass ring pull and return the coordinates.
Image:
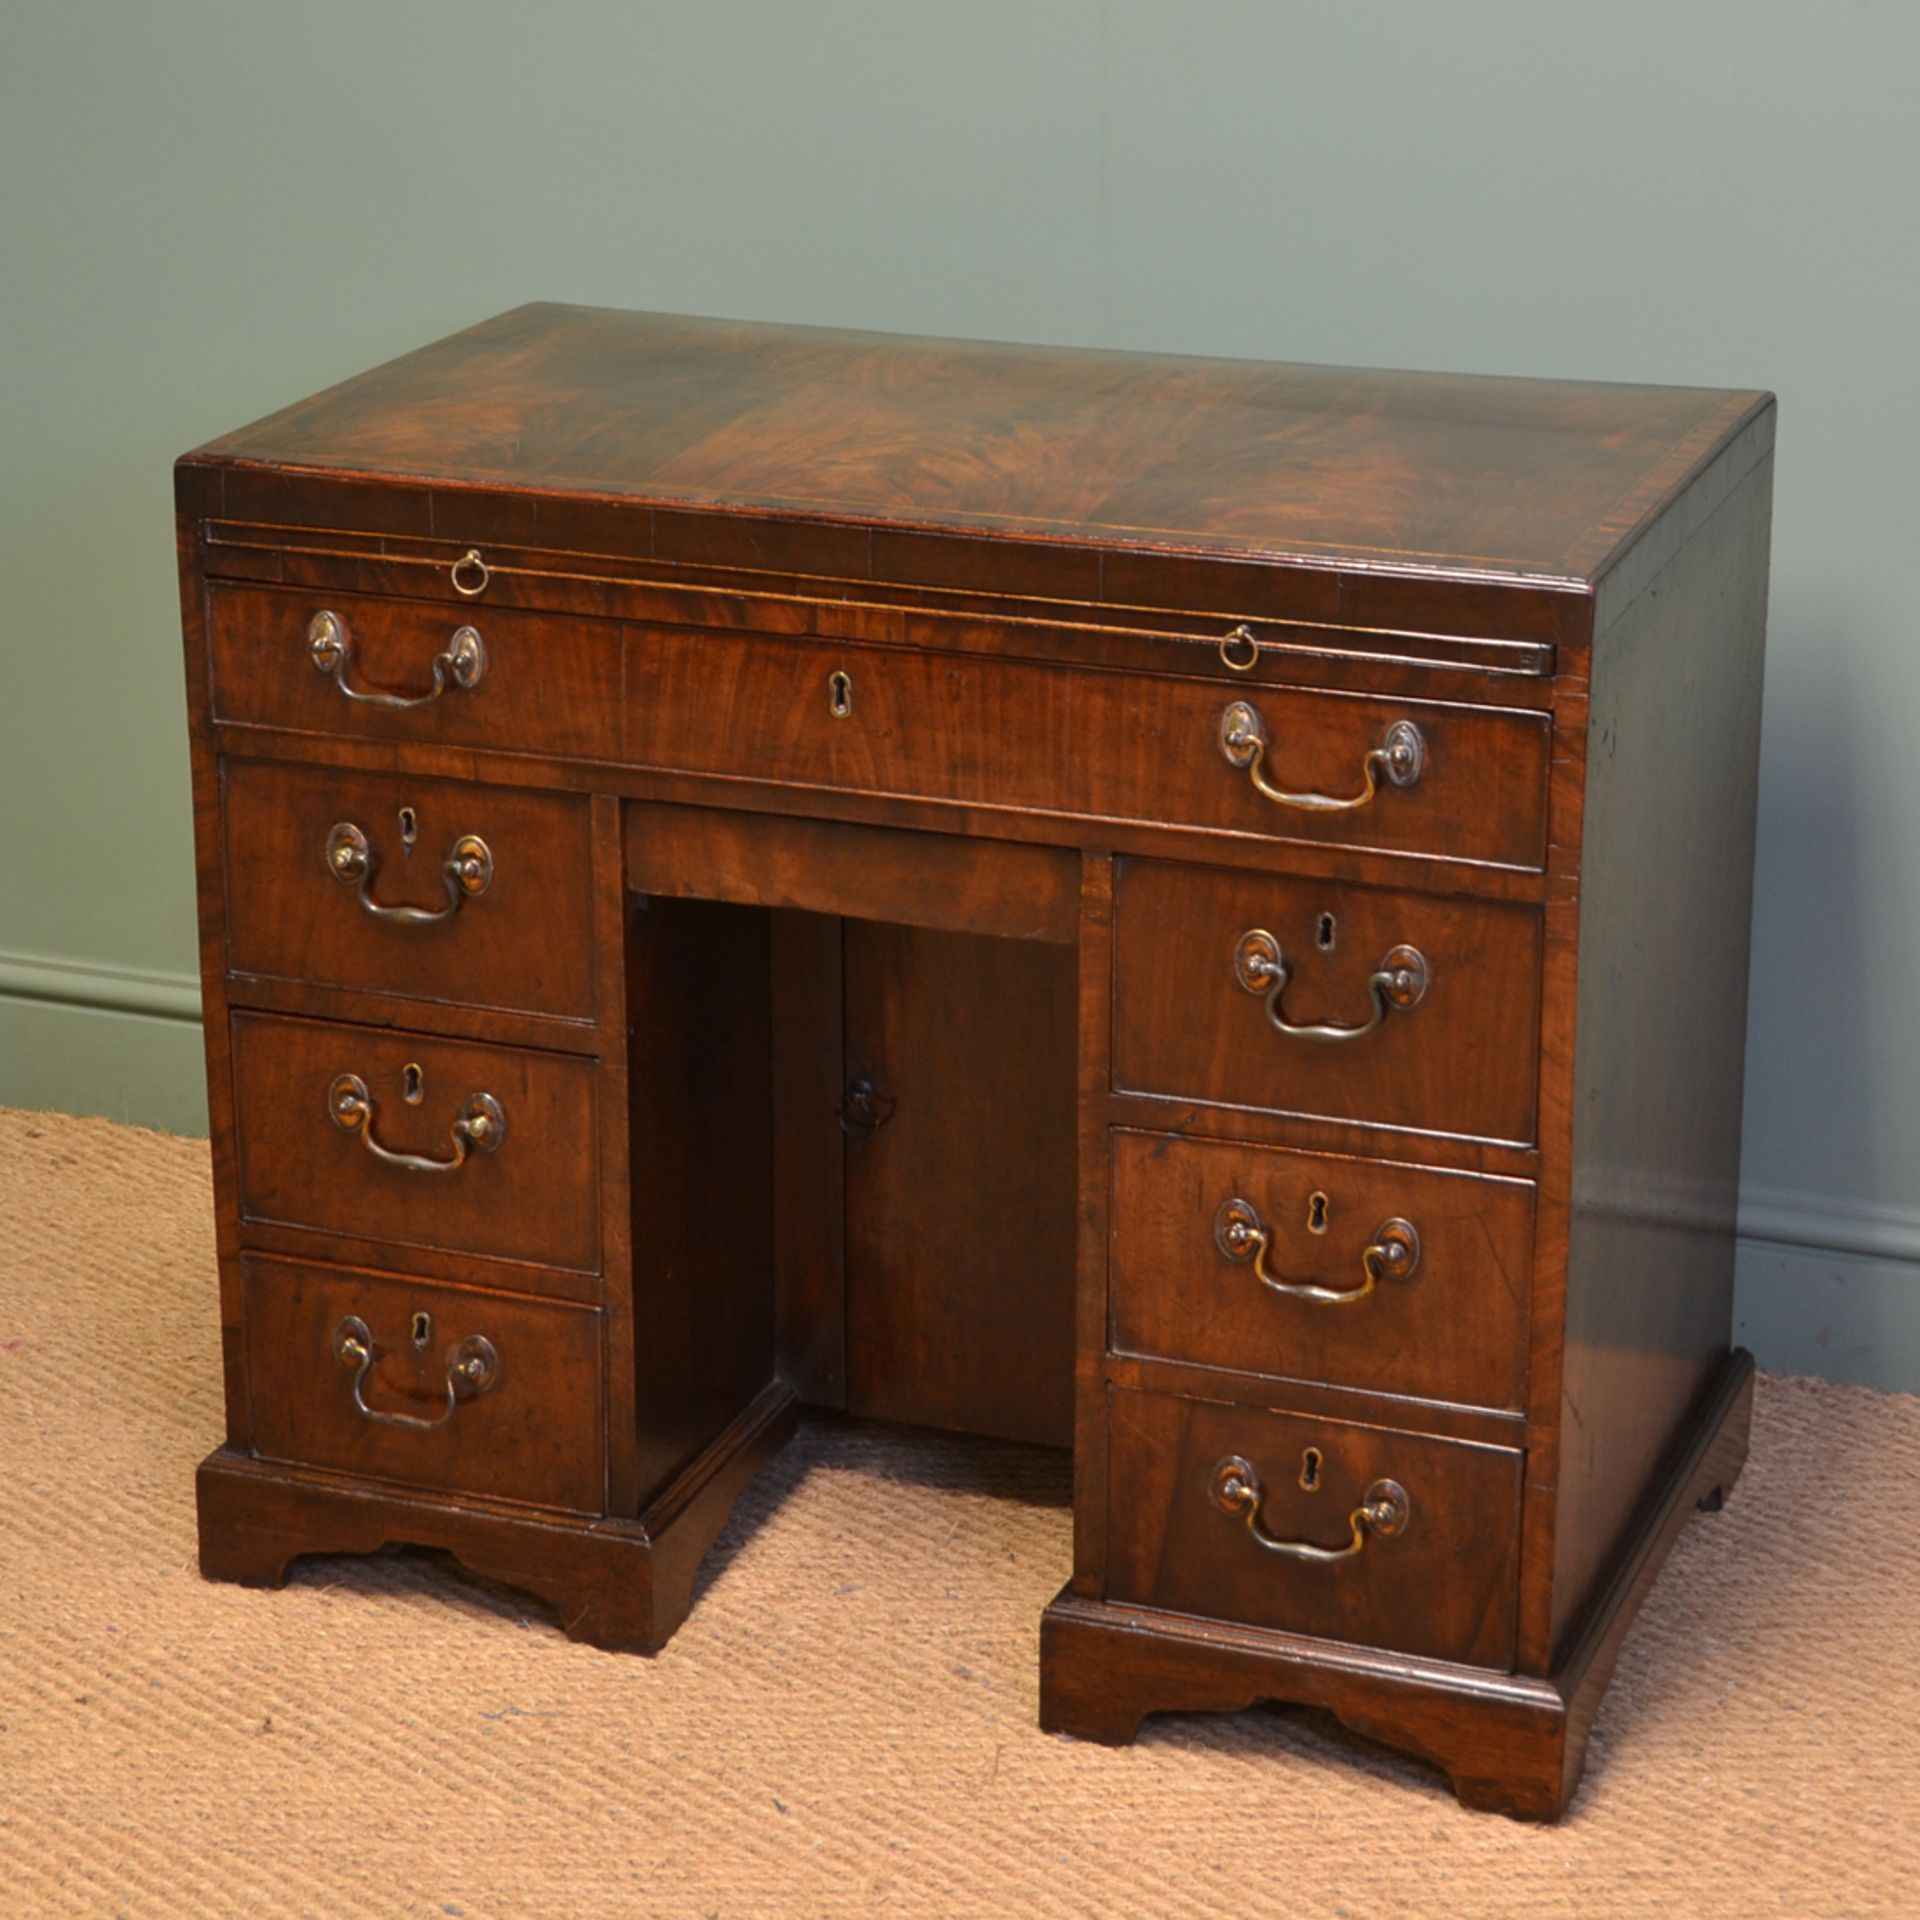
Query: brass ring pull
(1240, 651)
(481, 1127)
(1401, 980)
(461, 663)
(467, 872)
(477, 571)
(1400, 758)
(1393, 1253)
(472, 1365)
(1235, 1488)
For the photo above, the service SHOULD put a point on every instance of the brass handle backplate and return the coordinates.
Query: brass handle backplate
(467, 872)
(480, 1128)
(1392, 1254)
(1235, 1488)
(1399, 759)
(473, 1368)
(461, 663)
(1401, 980)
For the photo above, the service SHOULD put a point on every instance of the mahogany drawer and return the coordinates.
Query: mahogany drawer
(437, 889)
(545, 683)
(524, 1186)
(979, 730)
(1194, 1008)
(393, 1378)
(1106, 745)
(1194, 1487)
(1213, 1239)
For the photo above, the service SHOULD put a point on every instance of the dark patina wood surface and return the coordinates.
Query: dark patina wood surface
(857, 974)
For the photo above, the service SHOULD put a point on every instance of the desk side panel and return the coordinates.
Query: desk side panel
(210, 880)
(1665, 906)
(698, 1000)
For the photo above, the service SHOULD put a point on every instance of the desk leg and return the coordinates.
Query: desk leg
(625, 1585)
(1510, 1743)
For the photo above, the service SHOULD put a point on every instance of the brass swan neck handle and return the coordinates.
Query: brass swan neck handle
(461, 663)
(1235, 1489)
(1399, 759)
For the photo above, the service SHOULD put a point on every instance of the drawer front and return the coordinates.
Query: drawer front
(537, 683)
(1466, 783)
(477, 895)
(524, 1186)
(1186, 1478)
(1223, 1255)
(999, 732)
(1195, 1009)
(444, 1387)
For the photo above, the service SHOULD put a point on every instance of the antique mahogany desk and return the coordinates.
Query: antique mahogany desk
(1190, 910)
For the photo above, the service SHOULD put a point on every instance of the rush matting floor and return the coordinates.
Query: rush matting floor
(846, 1724)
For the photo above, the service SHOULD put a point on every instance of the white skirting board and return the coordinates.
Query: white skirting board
(82, 1038)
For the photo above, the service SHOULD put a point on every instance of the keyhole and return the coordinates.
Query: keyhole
(839, 694)
(1316, 1213)
(413, 1084)
(1310, 1470)
(409, 828)
(1325, 935)
(422, 1329)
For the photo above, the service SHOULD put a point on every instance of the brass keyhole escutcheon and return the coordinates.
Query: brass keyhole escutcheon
(413, 1084)
(409, 828)
(1310, 1470)
(422, 1329)
(839, 694)
(1317, 1213)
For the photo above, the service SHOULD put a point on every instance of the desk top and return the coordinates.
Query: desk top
(1435, 473)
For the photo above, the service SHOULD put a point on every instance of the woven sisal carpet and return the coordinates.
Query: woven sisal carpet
(846, 1725)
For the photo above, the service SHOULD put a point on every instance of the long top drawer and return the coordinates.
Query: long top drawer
(1456, 781)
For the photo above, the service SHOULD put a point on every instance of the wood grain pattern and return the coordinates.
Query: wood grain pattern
(1510, 1743)
(808, 1086)
(290, 916)
(746, 590)
(608, 919)
(1460, 1061)
(613, 1582)
(210, 915)
(1661, 1029)
(700, 1162)
(534, 1198)
(1240, 456)
(961, 1204)
(1092, 1289)
(861, 873)
(1453, 1330)
(549, 685)
(928, 813)
(1443, 1588)
(1005, 880)
(1329, 1399)
(524, 1439)
(1088, 745)
(1017, 735)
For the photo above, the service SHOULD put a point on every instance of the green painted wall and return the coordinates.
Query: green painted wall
(207, 210)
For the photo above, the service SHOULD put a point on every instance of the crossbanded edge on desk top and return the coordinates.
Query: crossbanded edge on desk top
(1547, 481)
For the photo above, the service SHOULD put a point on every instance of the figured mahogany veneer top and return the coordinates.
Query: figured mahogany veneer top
(1354, 469)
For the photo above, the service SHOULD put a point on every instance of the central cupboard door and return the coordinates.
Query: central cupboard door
(960, 1180)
